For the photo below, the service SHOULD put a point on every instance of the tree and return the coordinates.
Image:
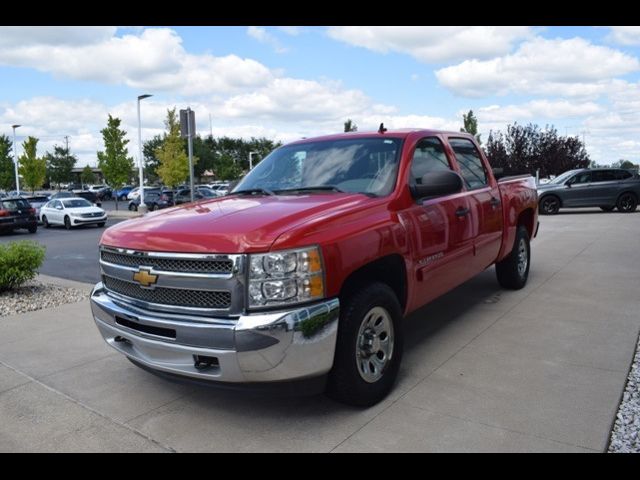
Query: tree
(626, 164)
(32, 169)
(471, 125)
(227, 168)
(174, 163)
(7, 172)
(527, 149)
(350, 126)
(151, 162)
(87, 177)
(114, 162)
(60, 165)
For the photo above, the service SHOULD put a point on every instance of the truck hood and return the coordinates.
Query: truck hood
(236, 224)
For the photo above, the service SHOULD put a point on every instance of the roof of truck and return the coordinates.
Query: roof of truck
(396, 133)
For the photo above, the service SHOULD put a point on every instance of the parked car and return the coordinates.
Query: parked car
(75, 186)
(103, 192)
(153, 199)
(135, 193)
(90, 196)
(16, 213)
(607, 188)
(123, 192)
(72, 212)
(37, 201)
(306, 270)
(184, 195)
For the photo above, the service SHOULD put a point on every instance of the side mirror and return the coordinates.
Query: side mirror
(434, 184)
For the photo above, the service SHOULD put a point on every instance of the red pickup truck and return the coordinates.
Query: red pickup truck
(306, 269)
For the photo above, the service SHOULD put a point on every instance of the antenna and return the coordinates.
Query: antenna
(382, 129)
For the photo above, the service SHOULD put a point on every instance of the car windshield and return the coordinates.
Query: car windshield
(562, 178)
(358, 165)
(76, 203)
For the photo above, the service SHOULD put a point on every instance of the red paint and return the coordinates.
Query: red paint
(354, 229)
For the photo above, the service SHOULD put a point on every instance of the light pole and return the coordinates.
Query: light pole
(15, 158)
(142, 208)
(251, 159)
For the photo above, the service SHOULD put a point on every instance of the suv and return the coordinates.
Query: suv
(15, 213)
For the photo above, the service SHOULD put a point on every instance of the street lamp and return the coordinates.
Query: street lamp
(15, 159)
(142, 207)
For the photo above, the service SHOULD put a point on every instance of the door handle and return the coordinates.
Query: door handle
(462, 212)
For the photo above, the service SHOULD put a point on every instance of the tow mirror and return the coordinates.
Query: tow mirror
(435, 184)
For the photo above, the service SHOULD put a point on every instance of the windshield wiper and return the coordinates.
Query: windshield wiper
(330, 188)
(251, 191)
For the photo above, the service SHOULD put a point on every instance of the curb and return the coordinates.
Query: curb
(63, 282)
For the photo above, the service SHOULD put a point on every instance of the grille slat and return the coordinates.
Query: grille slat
(170, 264)
(170, 296)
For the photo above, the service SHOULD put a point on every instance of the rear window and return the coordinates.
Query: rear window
(14, 204)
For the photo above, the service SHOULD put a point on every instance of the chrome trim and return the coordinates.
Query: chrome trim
(233, 282)
(276, 346)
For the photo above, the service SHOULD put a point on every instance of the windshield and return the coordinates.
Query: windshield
(76, 203)
(562, 178)
(358, 165)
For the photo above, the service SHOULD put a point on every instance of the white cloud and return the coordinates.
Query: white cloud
(536, 109)
(153, 59)
(625, 35)
(263, 36)
(572, 67)
(53, 36)
(434, 44)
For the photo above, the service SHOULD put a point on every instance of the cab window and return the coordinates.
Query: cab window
(429, 156)
(471, 166)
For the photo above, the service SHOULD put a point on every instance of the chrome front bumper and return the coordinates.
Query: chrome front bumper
(262, 347)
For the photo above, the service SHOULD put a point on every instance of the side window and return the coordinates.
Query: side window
(622, 174)
(471, 166)
(604, 176)
(429, 156)
(584, 177)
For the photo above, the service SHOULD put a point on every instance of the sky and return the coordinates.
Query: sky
(290, 82)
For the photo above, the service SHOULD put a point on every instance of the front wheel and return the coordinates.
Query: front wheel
(369, 347)
(627, 203)
(513, 271)
(67, 223)
(45, 222)
(549, 205)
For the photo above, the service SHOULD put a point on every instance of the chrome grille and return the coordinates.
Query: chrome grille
(170, 296)
(170, 264)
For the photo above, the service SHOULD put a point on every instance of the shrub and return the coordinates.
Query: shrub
(19, 262)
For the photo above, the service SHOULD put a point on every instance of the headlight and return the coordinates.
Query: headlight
(285, 278)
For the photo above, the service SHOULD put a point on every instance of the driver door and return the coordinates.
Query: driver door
(576, 190)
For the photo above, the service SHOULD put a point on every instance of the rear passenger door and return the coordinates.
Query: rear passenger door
(604, 187)
(485, 201)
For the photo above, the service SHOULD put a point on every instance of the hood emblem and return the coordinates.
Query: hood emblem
(144, 277)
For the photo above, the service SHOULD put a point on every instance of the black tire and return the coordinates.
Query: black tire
(45, 222)
(549, 205)
(345, 383)
(627, 202)
(67, 223)
(131, 207)
(509, 271)
(100, 225)
(606, 208)
(33, 229)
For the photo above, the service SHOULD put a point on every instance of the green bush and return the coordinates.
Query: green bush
(19, 262)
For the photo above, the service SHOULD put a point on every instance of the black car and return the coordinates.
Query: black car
(607, 188)
(15, 212)
(90, 196)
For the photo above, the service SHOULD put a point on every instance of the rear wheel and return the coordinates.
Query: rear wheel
(33, 229)
(513, 271)
(369, 347)
(67, 223)
(606, 208)
(627, 203)
(549, 205)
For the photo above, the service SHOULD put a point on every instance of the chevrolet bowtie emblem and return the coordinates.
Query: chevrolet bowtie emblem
(145, 278)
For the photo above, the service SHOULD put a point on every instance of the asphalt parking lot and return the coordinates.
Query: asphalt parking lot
(540, 369)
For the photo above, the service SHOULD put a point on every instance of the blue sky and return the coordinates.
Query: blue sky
(289, 82)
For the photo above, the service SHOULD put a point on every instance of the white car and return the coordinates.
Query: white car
(135, 193)
(71, 212)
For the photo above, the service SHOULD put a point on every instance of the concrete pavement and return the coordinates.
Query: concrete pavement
(540, 369)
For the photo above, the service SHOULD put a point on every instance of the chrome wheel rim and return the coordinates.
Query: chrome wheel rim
(523, 257)
(374, 344)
